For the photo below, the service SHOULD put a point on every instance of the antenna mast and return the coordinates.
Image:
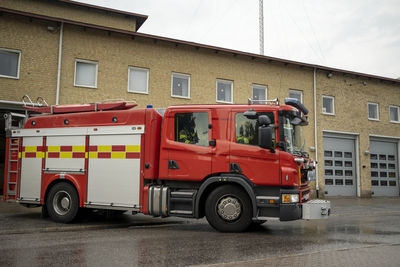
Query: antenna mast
(261, 25)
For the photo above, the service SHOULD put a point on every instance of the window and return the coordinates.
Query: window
(373, 111)
(259, 92)
(138, 80)
(328, 105)
(246, 130)
(394, 114)
(224, 91)
(180, 85)
(192, 128)
(296, 94)
(9, 63)
(85, 73)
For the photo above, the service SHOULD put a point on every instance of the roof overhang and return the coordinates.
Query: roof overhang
(140, 19)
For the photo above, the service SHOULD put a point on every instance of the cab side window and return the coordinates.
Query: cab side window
(246, 130)
(192, 128)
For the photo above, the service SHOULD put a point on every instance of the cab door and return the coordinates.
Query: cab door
(187, 145)
(260, 165)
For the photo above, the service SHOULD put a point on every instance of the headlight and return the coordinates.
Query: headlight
(311, 176)
(290, 198)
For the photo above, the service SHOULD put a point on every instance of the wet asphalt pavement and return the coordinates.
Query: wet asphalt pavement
(360, 232)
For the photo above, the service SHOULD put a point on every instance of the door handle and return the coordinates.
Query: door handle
(172, 164)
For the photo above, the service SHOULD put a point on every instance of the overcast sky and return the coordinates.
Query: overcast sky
(356, 35)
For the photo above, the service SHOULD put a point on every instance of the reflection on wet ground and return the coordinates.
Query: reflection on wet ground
(357, 229)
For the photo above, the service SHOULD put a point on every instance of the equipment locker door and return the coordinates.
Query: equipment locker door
(114, 170)
(31, 168)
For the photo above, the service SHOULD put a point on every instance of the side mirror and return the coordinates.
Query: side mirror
(251, 114)
(265, 133)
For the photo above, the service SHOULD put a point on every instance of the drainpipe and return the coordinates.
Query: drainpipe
(59, 63)
(316, 133)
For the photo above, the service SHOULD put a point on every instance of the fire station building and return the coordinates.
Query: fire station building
(68, 52)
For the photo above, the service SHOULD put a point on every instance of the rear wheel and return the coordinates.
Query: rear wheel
(228, 209)
(62, 203)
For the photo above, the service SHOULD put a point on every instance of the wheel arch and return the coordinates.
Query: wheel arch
(58, 180)
(213, 182)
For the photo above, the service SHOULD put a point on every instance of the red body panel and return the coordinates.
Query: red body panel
(153, 121)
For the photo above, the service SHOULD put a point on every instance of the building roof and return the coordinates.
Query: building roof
(192, 44)
(140, 19)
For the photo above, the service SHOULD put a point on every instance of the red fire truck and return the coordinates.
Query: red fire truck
(234, 164)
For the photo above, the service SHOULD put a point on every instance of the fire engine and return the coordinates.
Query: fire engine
(235, 164)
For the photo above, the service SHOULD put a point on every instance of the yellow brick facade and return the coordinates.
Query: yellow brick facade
(39, 57)
(67, 11)
(116, 52)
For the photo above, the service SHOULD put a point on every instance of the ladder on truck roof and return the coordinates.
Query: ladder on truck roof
(274, 102)
(111, 104)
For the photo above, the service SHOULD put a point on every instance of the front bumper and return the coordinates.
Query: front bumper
(313, 209)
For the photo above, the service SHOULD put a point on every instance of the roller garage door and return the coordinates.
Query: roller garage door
(384, 167)
(340, 166)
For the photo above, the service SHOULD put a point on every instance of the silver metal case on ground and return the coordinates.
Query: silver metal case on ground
(316, 209)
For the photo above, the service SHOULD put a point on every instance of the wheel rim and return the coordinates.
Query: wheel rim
(62, 202)
(229, 208)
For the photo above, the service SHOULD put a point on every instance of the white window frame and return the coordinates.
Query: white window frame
(216, 90)
(147, 81)
(259, 86)
(172, 84)
(88, 62)
(377, 111)
(398, 113)
(297, 91)
(333, 105)
(19, 63)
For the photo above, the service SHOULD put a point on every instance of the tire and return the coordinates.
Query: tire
(62, 203)
(228, 209)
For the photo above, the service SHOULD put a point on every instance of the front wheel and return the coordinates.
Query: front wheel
(228, 209)
(62, 203)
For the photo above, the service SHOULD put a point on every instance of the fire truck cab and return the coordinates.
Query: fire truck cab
(234, 164)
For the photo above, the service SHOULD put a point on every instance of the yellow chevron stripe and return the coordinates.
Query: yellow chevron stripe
(30, 149)
(118, 155)
(78, 149)
(53, 148)
(104, 148)
(66, 155)
(132, 148)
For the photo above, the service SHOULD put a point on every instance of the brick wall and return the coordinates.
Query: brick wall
(72, 12)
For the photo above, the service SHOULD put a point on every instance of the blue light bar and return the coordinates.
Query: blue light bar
(296, 103)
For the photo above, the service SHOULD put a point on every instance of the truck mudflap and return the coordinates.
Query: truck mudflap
(316, 209)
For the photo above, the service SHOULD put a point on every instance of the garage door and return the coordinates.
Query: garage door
(339, 166)
(384, 168)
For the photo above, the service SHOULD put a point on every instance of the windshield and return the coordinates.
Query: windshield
(294, 137)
